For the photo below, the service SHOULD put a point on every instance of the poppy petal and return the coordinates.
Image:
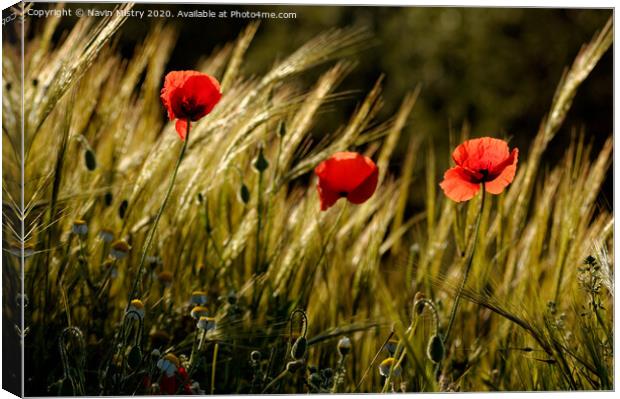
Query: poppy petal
(345, 171)
(181, 127)
(457, 186)
(328, 198)
(485, 153)
(497, 185)
(365, 190)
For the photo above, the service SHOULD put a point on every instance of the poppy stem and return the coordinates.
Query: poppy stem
(151, 233)
(470, 261)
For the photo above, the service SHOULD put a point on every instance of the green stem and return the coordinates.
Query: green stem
(470, 260)
(151, 233)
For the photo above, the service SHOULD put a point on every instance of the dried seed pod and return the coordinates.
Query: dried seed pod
(122, 209)
(435, 350)
(344, 346)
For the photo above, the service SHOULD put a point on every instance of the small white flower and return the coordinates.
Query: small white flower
(199, 298)
(79, 227)
(120, 249)
(106, 235)
(386, 366)
(135, 309)
(206, 323)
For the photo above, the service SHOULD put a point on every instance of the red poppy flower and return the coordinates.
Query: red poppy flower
(189, 95)
(484, 160)
(169, 385)
(346, 175)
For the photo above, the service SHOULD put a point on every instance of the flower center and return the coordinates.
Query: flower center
(343, 194)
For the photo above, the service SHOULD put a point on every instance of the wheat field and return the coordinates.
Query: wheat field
(368, 287)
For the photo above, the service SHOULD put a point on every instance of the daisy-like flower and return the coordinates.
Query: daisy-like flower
(198, 311)
(109, 265)
(169, 364)
(106, 235)
(120, 249)
(165, 277)
(198, 298)
(391, 346)
(135, 309)
(206, 323)
(486, 162)
(386, 366)
(79, 227)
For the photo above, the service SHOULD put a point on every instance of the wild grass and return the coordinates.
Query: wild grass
(538, 304)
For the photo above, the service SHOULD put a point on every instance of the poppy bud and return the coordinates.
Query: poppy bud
(134, 357)
(260, 162)
(299, 348)
(344, 346)
(435, 350)
(108, 198)
(281, 129)
(122, 209)
(293, 366)
(90, 160)
(244, 194)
